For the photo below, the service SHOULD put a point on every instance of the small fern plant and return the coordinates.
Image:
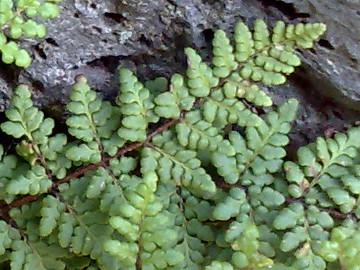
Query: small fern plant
(189, 178)
(18, 20)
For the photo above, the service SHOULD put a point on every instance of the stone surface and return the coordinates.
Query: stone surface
(94, 37)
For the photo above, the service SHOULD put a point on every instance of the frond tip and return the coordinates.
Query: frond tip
(132, 103)
(271, 56)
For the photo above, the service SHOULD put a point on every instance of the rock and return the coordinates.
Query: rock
(4, 91)
(94, 37)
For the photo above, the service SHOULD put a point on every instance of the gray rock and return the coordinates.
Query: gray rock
(94, 37)
(4, 92)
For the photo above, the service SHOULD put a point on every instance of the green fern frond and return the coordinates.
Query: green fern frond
(35, 181)
(269, 57)
(195, 133)
(261, 150)
(92, 121)
(181, 174)
(200, 75)
(328, 165)
(17, 20)
(239, 88)
(223, 59)
(219, 111)
(25, 120)
(37, 146)
(175, 163)
(132, 103)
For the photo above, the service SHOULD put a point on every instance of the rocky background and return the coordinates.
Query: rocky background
(94, 37)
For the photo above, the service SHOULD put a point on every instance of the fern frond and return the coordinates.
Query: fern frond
(343, 245)
(231, 205)
(50, 213)
(37, 146)
(269, 57)
(239, 88)
(92, 121)
(243, 237)
(167, 105)
(25, 120)
(170, 104)
(54, 152)
(261, 150)
(266, 141)
(223, 59)
(173, 162)
(327, 165)
(219, 111)
(11, 167)
(195, 133)
(35, 181)
(133, 107)
(200, 75)
(84, 227)
(17, 20)
(5, 238)
(181, 174)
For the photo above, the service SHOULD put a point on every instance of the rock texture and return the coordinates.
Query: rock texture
(94, 37)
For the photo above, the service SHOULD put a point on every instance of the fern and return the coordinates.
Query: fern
(182, 174)
(18, 19)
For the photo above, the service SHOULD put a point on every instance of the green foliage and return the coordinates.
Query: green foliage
(18, 19)
(182, 174)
